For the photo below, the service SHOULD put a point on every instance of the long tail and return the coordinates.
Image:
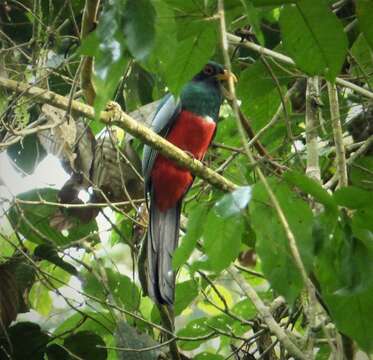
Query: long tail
(162, 240)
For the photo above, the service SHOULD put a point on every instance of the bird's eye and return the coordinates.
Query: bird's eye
(208, 70)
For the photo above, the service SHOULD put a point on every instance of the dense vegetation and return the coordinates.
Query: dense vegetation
(276, 256)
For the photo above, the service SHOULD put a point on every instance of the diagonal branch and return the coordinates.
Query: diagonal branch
(121, 119)
(265, 313)
(236, 40)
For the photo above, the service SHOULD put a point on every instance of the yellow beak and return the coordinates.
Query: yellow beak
(226, 75)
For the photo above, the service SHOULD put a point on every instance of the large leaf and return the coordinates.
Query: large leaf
(314, 37)
(272, 244)
(129, 337)
(32, 221)
(364, 11)
(253, 19)
(189, 241)
(222, 239)
(49, 252)
(344, 270)
(190, 55)
(107, 45)
(224, 228)
(27, 154)
(56, 352)
(194, 328)
(40, 299)
(362, 61)
(28, 342)
(208, 356)
(84, 344)
(353, 197)
(311, 187)
(100, 323)
(234, 202)
(120, 286)
(272, 2)
(185, 293)
(361, 173)
(260, 100)
(139, 17)
(165, 38)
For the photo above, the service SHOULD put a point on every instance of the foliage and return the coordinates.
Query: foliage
(67, 292)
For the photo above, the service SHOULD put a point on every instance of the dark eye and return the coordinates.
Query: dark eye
(208, 70)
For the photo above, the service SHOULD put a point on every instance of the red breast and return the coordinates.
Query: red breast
(193, 134)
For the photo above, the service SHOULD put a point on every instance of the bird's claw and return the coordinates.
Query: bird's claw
(115, 109)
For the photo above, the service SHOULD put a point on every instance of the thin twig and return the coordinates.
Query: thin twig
(236, 40)
(338, 135)
(312, 109)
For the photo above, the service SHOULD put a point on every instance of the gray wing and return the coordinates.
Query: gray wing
(167, 112)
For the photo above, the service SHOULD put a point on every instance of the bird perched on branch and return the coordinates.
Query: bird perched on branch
(189, 123)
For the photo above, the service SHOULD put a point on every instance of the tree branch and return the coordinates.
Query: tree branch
(121, 119)
(236, 40)
(338, 135)
(264, 311)
(313, 168)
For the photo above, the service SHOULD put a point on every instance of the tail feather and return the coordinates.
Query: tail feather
(162, 238)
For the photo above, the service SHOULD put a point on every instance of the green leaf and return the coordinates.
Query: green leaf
(84, 345)
(139, 18)
(107, 45)
(213, 294)
(57, 352)
(22, 215)
(25, 275)
(253, 19)
(222, 239)
(260, 100)
(40, 299)
(362, 60)
(189, 241)
(165, 38)
(194, 328)
(272, 244)
(121, 287)
(362, 226)
(245, 309)
(100, 323)
(27, 154)
(185, 293)
(314, 37)
(344, 270)
(361, 173)
(49, 252)
(28, 342)
(129, 337)
(190, 55)
(273, 2)
(234, 202)
(208, 356)
(311, 187)
(353, 197)
(364, 11)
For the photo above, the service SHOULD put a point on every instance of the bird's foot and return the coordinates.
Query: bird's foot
(190, 154)
(114, 109)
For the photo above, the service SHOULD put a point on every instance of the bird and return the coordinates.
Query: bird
(189, 122)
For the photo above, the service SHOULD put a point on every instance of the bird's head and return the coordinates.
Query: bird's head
(215, 73)
(203, 95)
